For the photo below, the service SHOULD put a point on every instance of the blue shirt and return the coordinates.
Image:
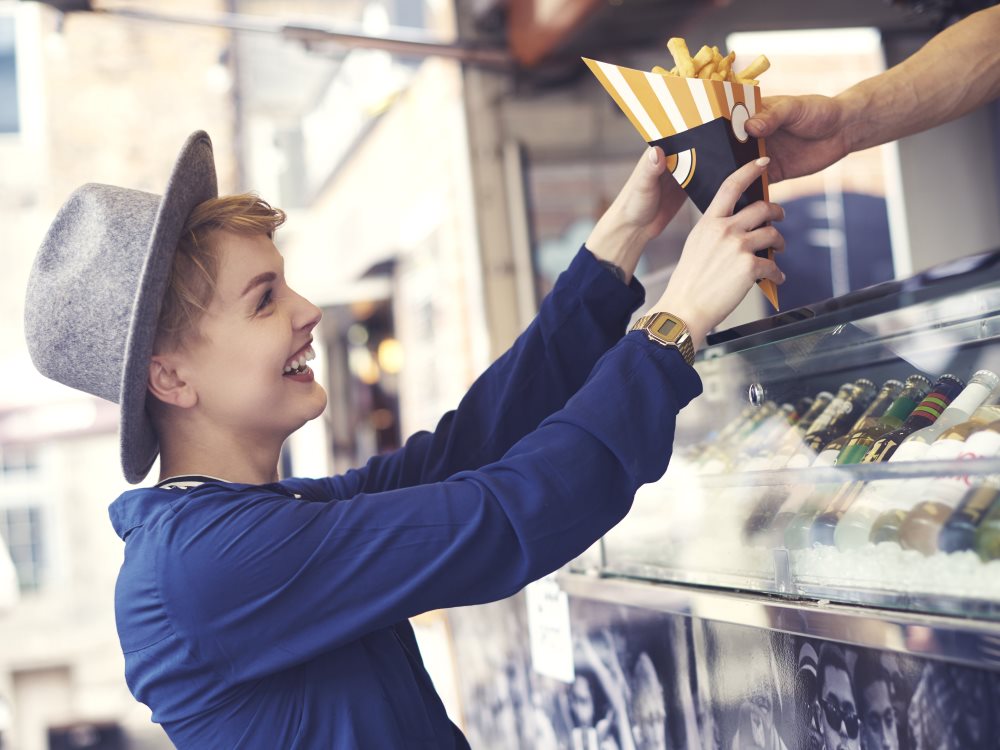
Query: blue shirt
(275, 616)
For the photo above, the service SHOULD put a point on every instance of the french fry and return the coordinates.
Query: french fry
(710, 64)
(703, 58)
(725, 65)
(755, 68)
(707, 70)
(682, 57)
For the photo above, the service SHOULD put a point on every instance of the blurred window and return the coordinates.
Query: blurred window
(17, 461)
(21, 513)
(9, 120)
(21, 531)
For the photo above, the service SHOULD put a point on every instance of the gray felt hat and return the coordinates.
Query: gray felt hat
(96, 288)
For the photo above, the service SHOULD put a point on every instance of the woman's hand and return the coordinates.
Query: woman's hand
(718, 265)
(641, 211)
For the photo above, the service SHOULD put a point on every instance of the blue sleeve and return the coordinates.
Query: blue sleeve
(579, 320)
(267, 582)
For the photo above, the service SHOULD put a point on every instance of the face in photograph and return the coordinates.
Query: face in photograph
(756, 724)
(581, 702)
(649, 727)
(878, 727)
(838, 716)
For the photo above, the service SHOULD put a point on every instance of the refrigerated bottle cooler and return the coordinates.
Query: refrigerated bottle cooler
(787, 584)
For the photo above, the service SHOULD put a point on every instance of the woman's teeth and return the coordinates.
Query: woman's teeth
(298, 364)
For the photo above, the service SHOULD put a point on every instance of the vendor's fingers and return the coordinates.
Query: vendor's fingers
(765, 238)
(774, 112)
(758, 213)
(734, 186)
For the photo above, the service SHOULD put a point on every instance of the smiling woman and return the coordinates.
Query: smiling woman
(260, 612)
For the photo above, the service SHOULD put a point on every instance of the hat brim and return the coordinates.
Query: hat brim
(192, 181)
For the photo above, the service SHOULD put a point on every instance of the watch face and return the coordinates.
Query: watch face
(669, 328)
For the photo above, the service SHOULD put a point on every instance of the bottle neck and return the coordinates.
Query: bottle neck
(966, 402)
(928, 410)
(901, 408)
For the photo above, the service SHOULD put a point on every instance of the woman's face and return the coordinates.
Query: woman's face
(255, 329)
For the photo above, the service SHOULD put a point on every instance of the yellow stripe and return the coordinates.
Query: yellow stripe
(639, 82)
(717, 98)
(666, 99)
(596, 69)
(685, 102)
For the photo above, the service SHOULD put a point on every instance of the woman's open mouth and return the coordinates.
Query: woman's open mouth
(300, 362)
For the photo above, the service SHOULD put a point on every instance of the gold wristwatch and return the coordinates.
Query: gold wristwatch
(667, 330)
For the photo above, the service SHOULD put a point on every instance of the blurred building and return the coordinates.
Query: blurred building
(101, 98)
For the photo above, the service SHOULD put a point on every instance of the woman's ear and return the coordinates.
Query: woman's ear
(167, 385)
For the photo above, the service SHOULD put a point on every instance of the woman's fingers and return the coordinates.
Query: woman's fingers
(765, 238)
(757, 214)
(734, 186)
(767, 269)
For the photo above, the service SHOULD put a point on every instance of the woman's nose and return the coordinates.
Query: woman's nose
(307, 315)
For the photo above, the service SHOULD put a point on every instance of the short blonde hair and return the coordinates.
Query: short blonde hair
(195, 268)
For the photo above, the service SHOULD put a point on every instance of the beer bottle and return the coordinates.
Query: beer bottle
(816, 495)
(922, 526)
(763, 438)
(871, 416)
(859, 441)
(835, 421)
(845, 414)
(720, 455)
(819, 416)
(817, 404)
(858, 500)
(959, 531)
(925, 444)
(987, 544)
(823, 523)
(980, 386)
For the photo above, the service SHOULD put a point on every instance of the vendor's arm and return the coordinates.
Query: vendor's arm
(545, 365)
(955, 72)
(258, 581)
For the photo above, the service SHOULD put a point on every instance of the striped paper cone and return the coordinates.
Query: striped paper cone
(699, 124)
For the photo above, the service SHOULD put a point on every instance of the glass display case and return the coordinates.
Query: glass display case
(844, 452)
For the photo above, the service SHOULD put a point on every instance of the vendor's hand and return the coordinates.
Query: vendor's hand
(718, 265)
(641, 211)
(804, 134)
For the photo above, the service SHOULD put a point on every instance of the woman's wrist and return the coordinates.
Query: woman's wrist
(618, 244)
(693, 317)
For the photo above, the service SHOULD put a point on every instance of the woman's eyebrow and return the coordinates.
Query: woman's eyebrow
(261, 278)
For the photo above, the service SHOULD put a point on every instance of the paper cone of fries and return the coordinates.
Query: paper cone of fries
(699, 124)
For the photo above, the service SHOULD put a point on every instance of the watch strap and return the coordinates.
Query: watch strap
(667, 330)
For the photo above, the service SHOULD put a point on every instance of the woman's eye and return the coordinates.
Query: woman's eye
(265, 300)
